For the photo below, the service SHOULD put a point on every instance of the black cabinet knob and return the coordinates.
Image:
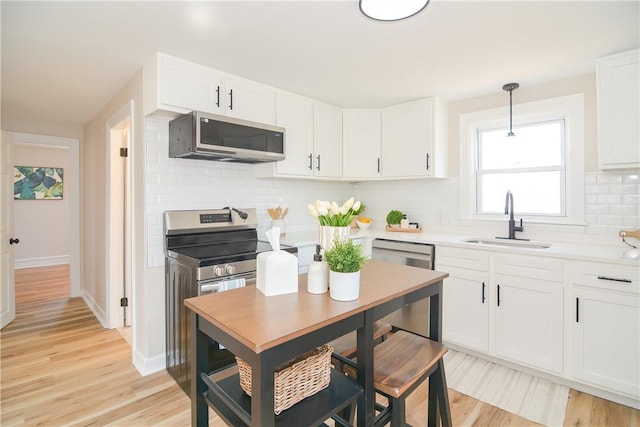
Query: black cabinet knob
(13, 241)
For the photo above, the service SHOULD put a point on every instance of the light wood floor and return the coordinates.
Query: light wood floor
(60, 367)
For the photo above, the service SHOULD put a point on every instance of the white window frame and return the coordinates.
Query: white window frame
(569, 108)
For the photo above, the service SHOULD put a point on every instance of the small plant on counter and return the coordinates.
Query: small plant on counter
(394, 217)
(345, 257)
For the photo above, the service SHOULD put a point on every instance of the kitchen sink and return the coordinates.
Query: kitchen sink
(509, 243)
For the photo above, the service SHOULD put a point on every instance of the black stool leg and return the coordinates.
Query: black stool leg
(443, 395)
(398, 414)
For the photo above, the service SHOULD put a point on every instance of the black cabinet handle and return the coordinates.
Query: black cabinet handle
(13, 241)
(310, 161)
(498, 295)
(218, 96)
(318, 162)
(378, 164)
(231, 99)
(427, 161)
(613, 279)
(577, 310)
(483, 285)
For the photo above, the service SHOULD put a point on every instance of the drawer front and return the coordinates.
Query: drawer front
(607, 276)
(531, 267)
(463, 258)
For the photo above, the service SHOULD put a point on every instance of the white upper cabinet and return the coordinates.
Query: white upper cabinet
(413, 139)
(295, 114)
(327, 141)
(173, 85)
(249, 100)
(361, 136)
(618, 93)
(313, 139)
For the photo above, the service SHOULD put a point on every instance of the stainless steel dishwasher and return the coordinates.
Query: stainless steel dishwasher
(412, 317)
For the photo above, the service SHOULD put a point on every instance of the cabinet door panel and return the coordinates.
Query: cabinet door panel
(466, 312)
(361, 143)
(327, 141)
(607, 340)
(618, 90)
(188, 86)
(250, 100)
(529, 322)
(295, 114)
(407, 139)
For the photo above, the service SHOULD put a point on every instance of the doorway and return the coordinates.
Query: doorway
(119, 269)
(71, 192)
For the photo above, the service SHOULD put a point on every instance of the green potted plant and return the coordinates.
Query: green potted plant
(345, 261)
(394, 217)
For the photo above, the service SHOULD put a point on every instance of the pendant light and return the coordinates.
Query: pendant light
(391, 10)
(510, 87)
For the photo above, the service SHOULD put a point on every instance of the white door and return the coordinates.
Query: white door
(7, 287)
(118, 232)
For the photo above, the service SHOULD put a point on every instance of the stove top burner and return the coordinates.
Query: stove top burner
(212, 254)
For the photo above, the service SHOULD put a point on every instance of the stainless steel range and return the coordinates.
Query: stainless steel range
(206, 251)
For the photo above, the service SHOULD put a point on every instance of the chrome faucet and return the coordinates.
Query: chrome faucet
(508, 210)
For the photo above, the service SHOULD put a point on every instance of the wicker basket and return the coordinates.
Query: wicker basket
(299, 378)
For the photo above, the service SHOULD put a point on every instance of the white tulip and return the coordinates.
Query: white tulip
(344, 210)
(356, 205)
(335, 209)
(322, 211)
(348, 203)
(312, 210)
(324, 203)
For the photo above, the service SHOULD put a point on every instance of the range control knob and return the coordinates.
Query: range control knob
(230, 269)
(218, 271)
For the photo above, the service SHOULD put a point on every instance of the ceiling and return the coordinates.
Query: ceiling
(63, 61)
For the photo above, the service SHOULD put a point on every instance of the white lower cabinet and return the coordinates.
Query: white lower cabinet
(513, 307)
(466, 297)
(529, 310)
(606, 332)
(508, 306)
(466, 308)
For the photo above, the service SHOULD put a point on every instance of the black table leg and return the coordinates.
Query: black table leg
(366, 403)
(199, 357)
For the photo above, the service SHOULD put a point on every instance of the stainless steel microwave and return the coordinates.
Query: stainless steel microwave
(205, 136)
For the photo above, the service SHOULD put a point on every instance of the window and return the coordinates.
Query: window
(530, 164)
(542, 165)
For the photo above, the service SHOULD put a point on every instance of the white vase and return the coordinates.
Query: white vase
(327, 234)
(344, 286)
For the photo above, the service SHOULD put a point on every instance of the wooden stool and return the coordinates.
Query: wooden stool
(346, 345)
(400, 364)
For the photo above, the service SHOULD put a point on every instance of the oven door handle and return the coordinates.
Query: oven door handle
(212, 286)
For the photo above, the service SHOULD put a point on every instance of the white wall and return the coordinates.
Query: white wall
(43, 226)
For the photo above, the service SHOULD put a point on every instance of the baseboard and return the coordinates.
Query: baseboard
(95, 308)
(148, 365)
(41, 262)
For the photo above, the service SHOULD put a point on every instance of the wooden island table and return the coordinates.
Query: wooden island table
(269, 331)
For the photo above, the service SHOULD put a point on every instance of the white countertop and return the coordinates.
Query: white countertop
(577, 251)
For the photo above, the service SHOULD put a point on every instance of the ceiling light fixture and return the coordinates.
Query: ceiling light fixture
(510, 87)
(391, 10)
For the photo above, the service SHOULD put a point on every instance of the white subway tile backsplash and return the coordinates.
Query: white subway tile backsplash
(609, 179)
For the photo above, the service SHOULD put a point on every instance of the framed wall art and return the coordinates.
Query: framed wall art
(37, 183)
